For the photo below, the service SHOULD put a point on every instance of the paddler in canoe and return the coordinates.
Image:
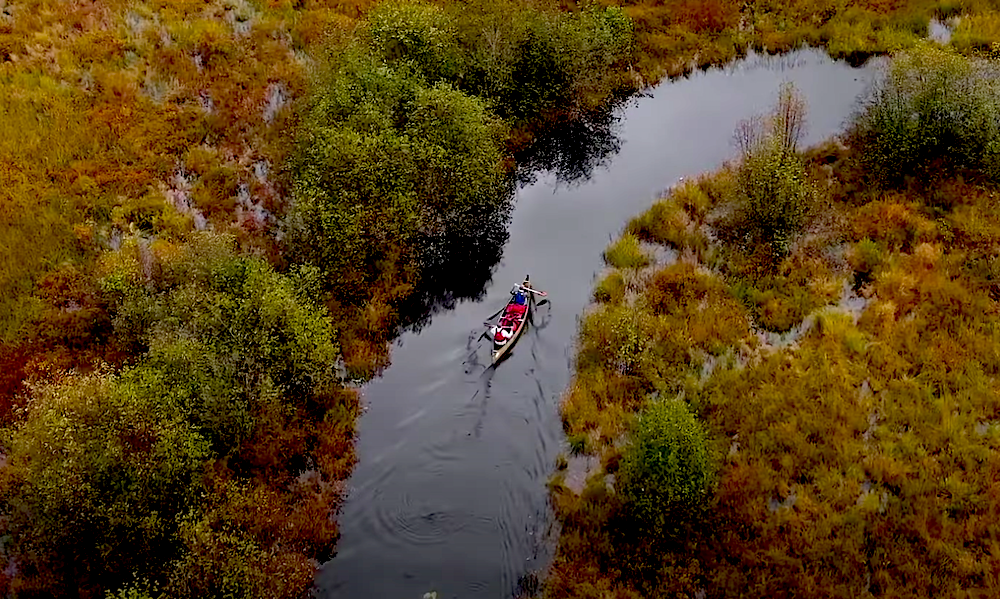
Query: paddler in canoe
(514, 319)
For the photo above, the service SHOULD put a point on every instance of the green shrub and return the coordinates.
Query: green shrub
(772, 191)
(615, 338)
(422, 35)
(227, 332)
(135, 591)
(866, 256)
(559, 60)
(610, 289)
(104, 468)
(400, 165)
(525, 61)
(665, 223)
(97, 471)
(931, 112)
(666, 470)
(626, 253)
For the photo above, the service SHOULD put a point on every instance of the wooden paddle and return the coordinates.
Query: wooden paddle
(531, 289)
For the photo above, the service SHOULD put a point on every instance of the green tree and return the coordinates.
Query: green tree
(666, 471)
(421, 35)
(385, 162)
(401, 171)
(525, 62)
(115, 477)
(96, 474)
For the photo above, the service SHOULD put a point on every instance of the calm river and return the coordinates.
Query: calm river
(449, 493)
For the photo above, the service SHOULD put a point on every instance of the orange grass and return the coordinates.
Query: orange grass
(858, 458)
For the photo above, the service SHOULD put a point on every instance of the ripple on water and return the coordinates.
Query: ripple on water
(418, 524)
(446, 450)
(412, 418)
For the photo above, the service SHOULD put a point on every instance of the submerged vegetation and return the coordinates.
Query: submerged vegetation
(844, 384)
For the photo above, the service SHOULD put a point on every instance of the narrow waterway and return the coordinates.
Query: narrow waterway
(449, 495)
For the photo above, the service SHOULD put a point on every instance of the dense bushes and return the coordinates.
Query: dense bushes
(525, 62)
(386, 160)
(236, 339)
(402, 178)
(931, 112)
(610, 289)
(116, 475)
(666, 471)
(96, 476)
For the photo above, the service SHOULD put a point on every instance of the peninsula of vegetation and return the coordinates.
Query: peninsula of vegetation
(215, 215)
(798, 396)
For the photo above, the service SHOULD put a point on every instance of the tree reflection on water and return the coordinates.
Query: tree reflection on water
(461, 253)
(571, 149)
(458, 259)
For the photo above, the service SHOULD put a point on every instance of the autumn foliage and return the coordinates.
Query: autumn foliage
(152, 152)
(177, 366)
(855, 434)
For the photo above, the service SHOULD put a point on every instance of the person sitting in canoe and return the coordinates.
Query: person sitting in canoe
(514, 314)
(518, 306)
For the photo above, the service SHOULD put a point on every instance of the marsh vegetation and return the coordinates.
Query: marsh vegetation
(853, 456)
(216, 214)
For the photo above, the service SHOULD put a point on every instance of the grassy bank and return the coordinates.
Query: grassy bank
(675, 38)
(837, 356)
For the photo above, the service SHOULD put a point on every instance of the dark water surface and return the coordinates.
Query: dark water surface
(449, 494)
